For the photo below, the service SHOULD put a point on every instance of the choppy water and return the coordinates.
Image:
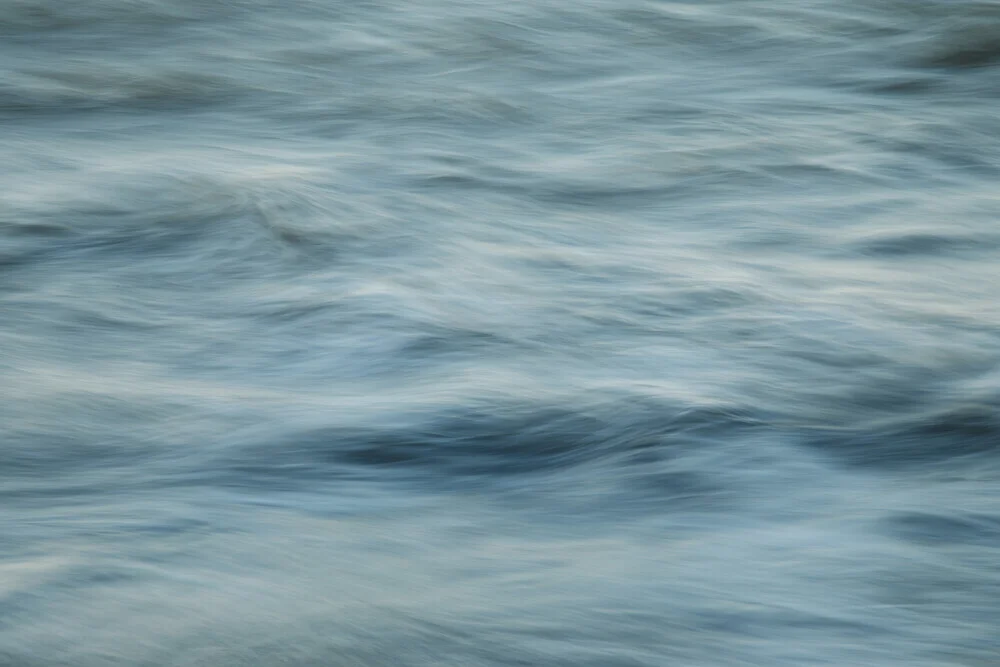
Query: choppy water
(612, 333)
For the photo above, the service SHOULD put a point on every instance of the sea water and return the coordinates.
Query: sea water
(610, 333)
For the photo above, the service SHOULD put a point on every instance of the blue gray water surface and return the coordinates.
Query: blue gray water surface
(610, 333)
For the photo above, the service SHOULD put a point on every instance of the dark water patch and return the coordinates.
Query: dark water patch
(917, 244)
(924, 436)
(968, 37)
(965, 49)
(944, 530)
(598, 196)
(898, 85)
(20, 16)
(966, 421)
(99, 85)
(14, 255)
(30, 229)
(502, 441)
(440, 341)
(471, 443)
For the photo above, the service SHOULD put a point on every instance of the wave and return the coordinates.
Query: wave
(961, 432)
(20, 16)
(97, 85)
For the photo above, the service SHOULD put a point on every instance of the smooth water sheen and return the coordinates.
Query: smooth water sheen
(612, 333)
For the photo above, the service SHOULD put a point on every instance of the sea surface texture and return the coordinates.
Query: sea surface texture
(455, 333)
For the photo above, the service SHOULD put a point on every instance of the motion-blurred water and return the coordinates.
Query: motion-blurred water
(612, 333)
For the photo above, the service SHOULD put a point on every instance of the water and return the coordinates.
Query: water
(615, 333)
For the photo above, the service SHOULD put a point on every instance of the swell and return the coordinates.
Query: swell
(509, 438)
(642, 451)
(175, 219)
(963, 432)
(112, 85)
